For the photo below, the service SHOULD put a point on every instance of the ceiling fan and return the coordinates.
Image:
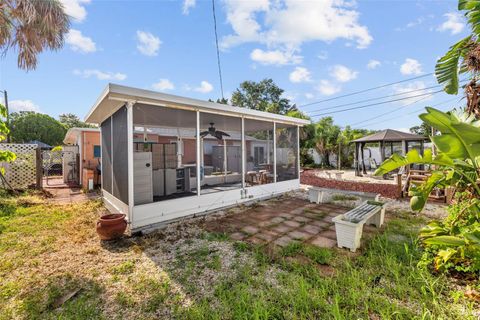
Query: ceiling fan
(214, 132)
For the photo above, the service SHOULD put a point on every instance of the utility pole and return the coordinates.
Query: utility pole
(5, 95)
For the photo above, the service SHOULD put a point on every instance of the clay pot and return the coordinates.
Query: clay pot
(111, 226)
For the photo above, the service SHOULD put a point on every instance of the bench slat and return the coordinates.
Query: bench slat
(362, 212)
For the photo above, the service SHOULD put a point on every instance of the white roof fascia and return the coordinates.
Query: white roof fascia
(118, 92)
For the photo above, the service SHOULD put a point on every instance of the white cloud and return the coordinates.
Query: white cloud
(373, 64)
(163, 85)
(323, 55)
(417, 22)
(274, 57)
(23, 105)
(75, 9)
(148, 44)
(204, 87)
(309, 95)
(327, 88)
(411, 66)
(342, 73)
(100, 75)
(79, 42)
(300, 74)
(290, 23)
(406, 91)
(187, 5)
(454, 23)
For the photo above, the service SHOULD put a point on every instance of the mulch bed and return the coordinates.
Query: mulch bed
(386, 190)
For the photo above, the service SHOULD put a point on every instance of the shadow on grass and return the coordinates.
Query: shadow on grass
(64, 296)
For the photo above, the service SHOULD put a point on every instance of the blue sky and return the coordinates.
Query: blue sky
(314, 50)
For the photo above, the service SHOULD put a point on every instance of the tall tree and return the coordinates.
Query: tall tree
(30, 26)
(326, 138)
(70, 120)
(27, 126)
(263, 96)
(424, 129)
(347, 149)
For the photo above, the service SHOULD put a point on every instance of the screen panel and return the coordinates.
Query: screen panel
(120, 155)
(106, 150)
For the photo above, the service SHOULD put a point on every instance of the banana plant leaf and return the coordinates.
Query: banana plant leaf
(473, 13)
(445, 255)
(459, 140)
(473, 237)
(447, 67)
(433, 229)
(445, 241)
(413, 156)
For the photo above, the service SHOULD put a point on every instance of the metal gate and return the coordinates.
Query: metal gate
(60, 167)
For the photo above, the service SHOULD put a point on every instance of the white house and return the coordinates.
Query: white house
(213, 156)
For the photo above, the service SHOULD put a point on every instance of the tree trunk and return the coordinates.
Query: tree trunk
(326, 159)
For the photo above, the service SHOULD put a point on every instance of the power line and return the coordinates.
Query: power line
(218, 51)
(383, 114)
(366, 90)
(372, 99)
(378, 103)
(377, 98)
(408, 113)
(389, 112)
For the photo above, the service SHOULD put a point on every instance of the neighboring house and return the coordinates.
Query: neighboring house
(165, 157)
(86, 143)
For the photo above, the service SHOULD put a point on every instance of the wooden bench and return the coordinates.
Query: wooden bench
(349, 226)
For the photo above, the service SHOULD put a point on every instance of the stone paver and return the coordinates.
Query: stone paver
(250, 229)
(312, 229)
(329, 234)
(323, 242)
(283, 241)
(282, 228)
(299, 235)
(277, 220)
(256, 240)
(302, 219)
(293, 224)
(322, 224)
(267, 235)
(237, 236)
(281, 221)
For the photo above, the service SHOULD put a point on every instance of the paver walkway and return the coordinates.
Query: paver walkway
(64, 194)
(281, 221)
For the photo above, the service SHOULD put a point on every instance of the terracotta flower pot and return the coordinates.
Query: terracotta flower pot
(111, 226)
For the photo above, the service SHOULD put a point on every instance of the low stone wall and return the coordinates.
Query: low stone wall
(386, 190)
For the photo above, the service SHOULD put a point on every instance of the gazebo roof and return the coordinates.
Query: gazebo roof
(391, 135)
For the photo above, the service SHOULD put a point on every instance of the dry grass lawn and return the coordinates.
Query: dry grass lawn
(52, 265)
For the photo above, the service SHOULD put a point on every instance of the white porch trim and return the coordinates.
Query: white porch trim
(163, 211)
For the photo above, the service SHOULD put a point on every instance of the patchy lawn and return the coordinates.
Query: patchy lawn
(52, 266)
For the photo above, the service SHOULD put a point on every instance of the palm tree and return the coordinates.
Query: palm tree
(30, 26)
(464, 57)
(326, 138)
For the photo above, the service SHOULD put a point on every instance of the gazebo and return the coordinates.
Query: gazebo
(387, 139)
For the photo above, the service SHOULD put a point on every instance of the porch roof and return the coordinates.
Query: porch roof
(72, 134)
(114, 97)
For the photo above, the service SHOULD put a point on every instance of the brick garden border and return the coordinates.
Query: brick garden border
(309, 177)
